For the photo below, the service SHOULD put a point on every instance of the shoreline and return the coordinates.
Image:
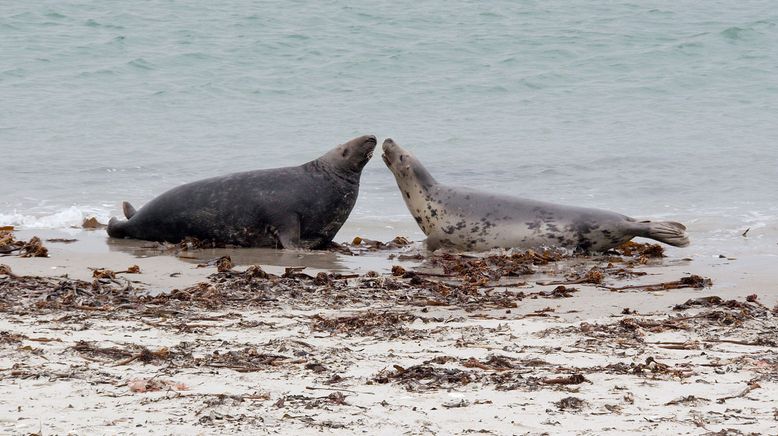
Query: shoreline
(448, 344)
(734, 277)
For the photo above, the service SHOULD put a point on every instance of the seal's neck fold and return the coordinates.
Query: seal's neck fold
(335, 168)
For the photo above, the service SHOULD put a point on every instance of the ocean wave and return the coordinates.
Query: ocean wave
(71, 217)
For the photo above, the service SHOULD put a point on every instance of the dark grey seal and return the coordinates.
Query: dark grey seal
(467, 219)
(293, 207)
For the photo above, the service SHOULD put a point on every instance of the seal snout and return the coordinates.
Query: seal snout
(388, 147)
(369, 142)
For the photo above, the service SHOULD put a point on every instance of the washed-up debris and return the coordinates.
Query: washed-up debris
(389, 324)
(692, 281)
(224, 264)
(132, 269)
(558, 292)
(7, 242)
(32, 248)
(296, 272)
(6, 271)
(92, 223)
(61, 240)
(456, 404)
(397, 242)
(256, 271)
(11, 338)
(360, 245)
(118, 356)
(689, 400)
(423, 377)
(593, 276)
(636, 249)
(574, 379)
(482, 270)
(650, 367)
(103, 273)
(154, 384)
(571, 404)
(752, 385)
(492, 363)
(711, 301)
(248, 359)
(204, 294)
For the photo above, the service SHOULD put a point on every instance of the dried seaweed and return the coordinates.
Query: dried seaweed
(32, 248)
(692, 281)
(636, 249)
(571, 404)
(92, 223)
(389, 324)
(425, 377)
(248, 359)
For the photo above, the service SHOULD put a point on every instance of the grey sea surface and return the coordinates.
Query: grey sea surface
(656, 109)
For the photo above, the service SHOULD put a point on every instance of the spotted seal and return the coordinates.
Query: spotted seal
(468, 219)
(293, 207)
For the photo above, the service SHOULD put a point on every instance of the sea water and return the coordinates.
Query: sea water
(655, 109)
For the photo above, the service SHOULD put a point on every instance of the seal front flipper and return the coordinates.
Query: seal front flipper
(128, 210)
(288, 232)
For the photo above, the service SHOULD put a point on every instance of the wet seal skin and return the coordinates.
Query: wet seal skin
(467, 219)
(292, 207)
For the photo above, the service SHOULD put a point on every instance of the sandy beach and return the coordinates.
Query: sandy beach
(386, 341)
(473, 125)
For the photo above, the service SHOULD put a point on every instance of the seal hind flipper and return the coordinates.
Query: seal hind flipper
(669, 232)
(128, 210)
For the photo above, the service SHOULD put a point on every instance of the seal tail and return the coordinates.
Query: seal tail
(128, 210)
(116, 228)
(669, 232)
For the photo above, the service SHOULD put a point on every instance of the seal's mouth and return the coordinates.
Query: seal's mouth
(368, 147)
(386, 160)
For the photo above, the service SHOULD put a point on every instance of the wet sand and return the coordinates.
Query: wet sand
(352, 345)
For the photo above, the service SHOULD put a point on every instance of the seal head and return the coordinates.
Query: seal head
(347, 160)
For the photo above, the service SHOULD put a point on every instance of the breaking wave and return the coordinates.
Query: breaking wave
(73, 216)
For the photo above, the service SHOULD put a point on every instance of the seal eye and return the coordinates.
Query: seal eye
(401, 158)
(345, 152)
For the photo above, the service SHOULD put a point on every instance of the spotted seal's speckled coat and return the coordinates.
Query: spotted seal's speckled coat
(294, 207)
(467, 219)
